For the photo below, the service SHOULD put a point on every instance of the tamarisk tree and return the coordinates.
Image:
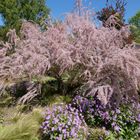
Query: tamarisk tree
(73, 53)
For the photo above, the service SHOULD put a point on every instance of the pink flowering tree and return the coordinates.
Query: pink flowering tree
(72, 54)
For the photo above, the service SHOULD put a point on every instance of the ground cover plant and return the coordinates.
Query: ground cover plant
(64, 123)
(85, 78)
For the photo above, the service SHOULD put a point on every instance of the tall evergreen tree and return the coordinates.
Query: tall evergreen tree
(13, 11)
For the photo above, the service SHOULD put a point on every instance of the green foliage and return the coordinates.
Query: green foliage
(135, 28)
(6, 100)
(50, 90)
(59, 89)
(26, 127)
(3, 31)
(55, 99)
(13, 11)
(96, 134)
(111, 136)
(128, 124)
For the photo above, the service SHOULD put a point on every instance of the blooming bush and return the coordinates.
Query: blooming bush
(94, 112)
(57, 52)
(63, 122)
(124, 121)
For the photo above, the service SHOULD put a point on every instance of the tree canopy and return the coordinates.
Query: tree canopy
(13, 11)
(116, 8)
(135, 28)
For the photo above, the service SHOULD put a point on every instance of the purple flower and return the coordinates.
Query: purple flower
(105, 115)
(117, 128)
(138, 119)
(64, 131)
(113, 124)
(48, 117)
(65, 121)
(107, 133)
(118, 111)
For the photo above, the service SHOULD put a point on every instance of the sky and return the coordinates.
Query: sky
(60, 7)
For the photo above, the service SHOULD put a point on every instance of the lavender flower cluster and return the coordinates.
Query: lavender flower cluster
(63, 123)
(92, 109)
(120, 120)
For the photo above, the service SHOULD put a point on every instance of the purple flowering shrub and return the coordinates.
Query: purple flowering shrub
(123, 121)
(94, 112)
(126, 120)
(63, 122)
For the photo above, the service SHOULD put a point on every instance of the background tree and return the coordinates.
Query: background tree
(13, 11)
(135, 28)
(116, 8)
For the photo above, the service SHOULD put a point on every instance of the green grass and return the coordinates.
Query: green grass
(25, 127)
